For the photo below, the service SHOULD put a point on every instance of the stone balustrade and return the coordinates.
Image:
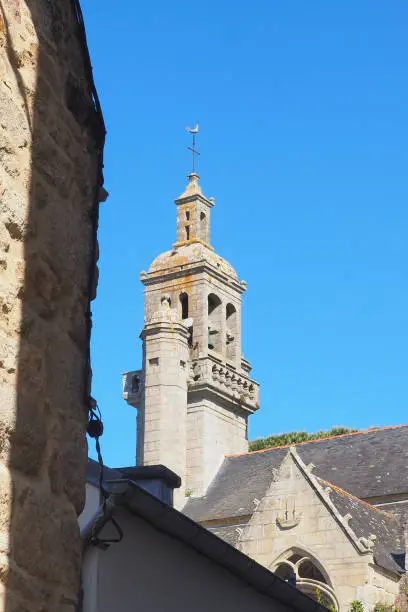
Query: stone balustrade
(225, 378)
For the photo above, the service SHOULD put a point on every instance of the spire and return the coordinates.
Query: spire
(193, 208)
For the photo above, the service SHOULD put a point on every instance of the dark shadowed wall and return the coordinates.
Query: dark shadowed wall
(51, 136)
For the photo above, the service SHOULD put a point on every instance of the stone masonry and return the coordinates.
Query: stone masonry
(315, 527)
(194, 393)
(51, 138)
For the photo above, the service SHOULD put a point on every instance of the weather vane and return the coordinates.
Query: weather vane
(193, 131)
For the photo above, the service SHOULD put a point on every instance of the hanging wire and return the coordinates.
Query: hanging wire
(95, 431)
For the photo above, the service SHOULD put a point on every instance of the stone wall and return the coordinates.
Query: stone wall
(161, 434)
(316, 534)
(49, 170)
(381, 587)
(214, 429)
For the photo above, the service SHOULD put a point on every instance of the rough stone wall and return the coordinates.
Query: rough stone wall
(48, 174)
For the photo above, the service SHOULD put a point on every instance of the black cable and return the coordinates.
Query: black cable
(95, 430)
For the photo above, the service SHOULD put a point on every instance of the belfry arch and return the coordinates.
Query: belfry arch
(231, 317)
(214, 323)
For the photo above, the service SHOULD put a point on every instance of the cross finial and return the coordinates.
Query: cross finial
(193, 131)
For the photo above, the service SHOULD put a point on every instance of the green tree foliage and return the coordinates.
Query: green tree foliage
(293, 437)
(356, 606)
(324, 601)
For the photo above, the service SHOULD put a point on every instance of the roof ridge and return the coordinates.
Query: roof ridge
(347, 494)
(315, 440)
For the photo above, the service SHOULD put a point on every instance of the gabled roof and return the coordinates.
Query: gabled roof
(228, 533)
(371, 463)
(369, 529)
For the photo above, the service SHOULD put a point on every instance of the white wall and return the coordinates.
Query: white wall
(150, 571)
(92, 502)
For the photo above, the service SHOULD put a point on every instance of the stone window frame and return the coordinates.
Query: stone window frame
(307, 585)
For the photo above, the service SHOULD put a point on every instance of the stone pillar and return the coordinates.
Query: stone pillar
(50, 134)
(164, 406)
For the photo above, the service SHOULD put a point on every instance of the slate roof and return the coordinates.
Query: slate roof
(228, 533)
(367, 464)
(389, 549)
(399, 509)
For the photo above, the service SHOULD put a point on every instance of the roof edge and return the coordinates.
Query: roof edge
(324, 495)
(315, 440)
(178, 525)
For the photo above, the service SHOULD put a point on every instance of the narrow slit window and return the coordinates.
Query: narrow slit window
(184, 305)
(204, 227)
(188, 215)
(187, 232)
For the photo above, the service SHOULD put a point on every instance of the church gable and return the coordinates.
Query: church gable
(331, 541)
(296, 509)
(374, 528)
(296, 521)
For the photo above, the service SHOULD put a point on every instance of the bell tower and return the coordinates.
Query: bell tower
(194, 393)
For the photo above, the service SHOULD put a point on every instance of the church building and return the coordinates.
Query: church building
(329, 513)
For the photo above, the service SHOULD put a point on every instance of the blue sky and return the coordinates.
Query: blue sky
(302, 108)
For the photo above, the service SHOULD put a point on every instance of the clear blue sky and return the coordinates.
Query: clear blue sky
(304, 144)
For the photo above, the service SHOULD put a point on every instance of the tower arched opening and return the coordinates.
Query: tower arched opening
(184, 305)
(231, 332)
(214, 323)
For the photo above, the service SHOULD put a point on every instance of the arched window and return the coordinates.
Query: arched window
(214, 323)
(232, 332)
(311, 577)
(184, 305)
(283, 570)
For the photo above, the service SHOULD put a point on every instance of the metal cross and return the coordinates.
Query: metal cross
(193, 131)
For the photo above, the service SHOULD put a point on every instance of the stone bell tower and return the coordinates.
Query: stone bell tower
(193, 394)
